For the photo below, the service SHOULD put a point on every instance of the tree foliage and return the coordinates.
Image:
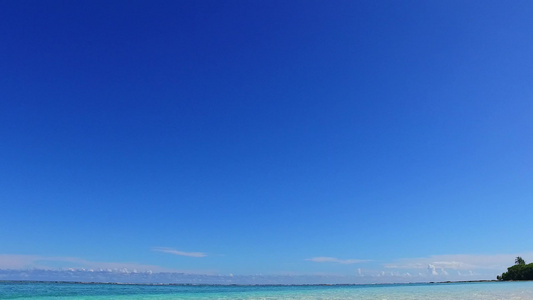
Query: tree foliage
(519, 261)
(520, 271)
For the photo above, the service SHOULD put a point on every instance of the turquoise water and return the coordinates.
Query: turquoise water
(75, 291)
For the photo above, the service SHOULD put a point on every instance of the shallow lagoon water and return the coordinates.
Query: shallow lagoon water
(76, 291)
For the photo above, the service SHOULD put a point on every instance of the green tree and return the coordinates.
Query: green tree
(519, 261)
(519, 271)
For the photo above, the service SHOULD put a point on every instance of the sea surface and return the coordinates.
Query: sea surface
(76, 291)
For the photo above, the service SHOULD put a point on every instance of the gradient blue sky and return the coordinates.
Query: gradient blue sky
(267, 137)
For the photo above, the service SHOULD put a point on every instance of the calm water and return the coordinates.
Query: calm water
(485, 291)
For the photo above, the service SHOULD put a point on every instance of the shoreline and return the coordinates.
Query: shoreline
(244, 285)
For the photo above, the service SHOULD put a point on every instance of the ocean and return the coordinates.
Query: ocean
(78, 291)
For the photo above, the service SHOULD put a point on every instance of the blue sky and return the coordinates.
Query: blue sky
(294, 138)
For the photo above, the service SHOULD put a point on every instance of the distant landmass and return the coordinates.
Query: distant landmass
(520, 271)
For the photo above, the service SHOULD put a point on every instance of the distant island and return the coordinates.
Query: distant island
(520, 271)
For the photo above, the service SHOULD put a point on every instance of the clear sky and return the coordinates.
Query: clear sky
(334, 138)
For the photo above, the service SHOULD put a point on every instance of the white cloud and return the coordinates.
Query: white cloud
(18, 261)
(173, 277)
(177, 252)
(324, 259)
(432, 270)
(457, 267)
(421, 269)
(459, 262)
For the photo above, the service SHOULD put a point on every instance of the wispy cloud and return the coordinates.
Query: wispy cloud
(120, 276)
(18, 261)
(458, 262)
(177, 252)
(325, 259)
